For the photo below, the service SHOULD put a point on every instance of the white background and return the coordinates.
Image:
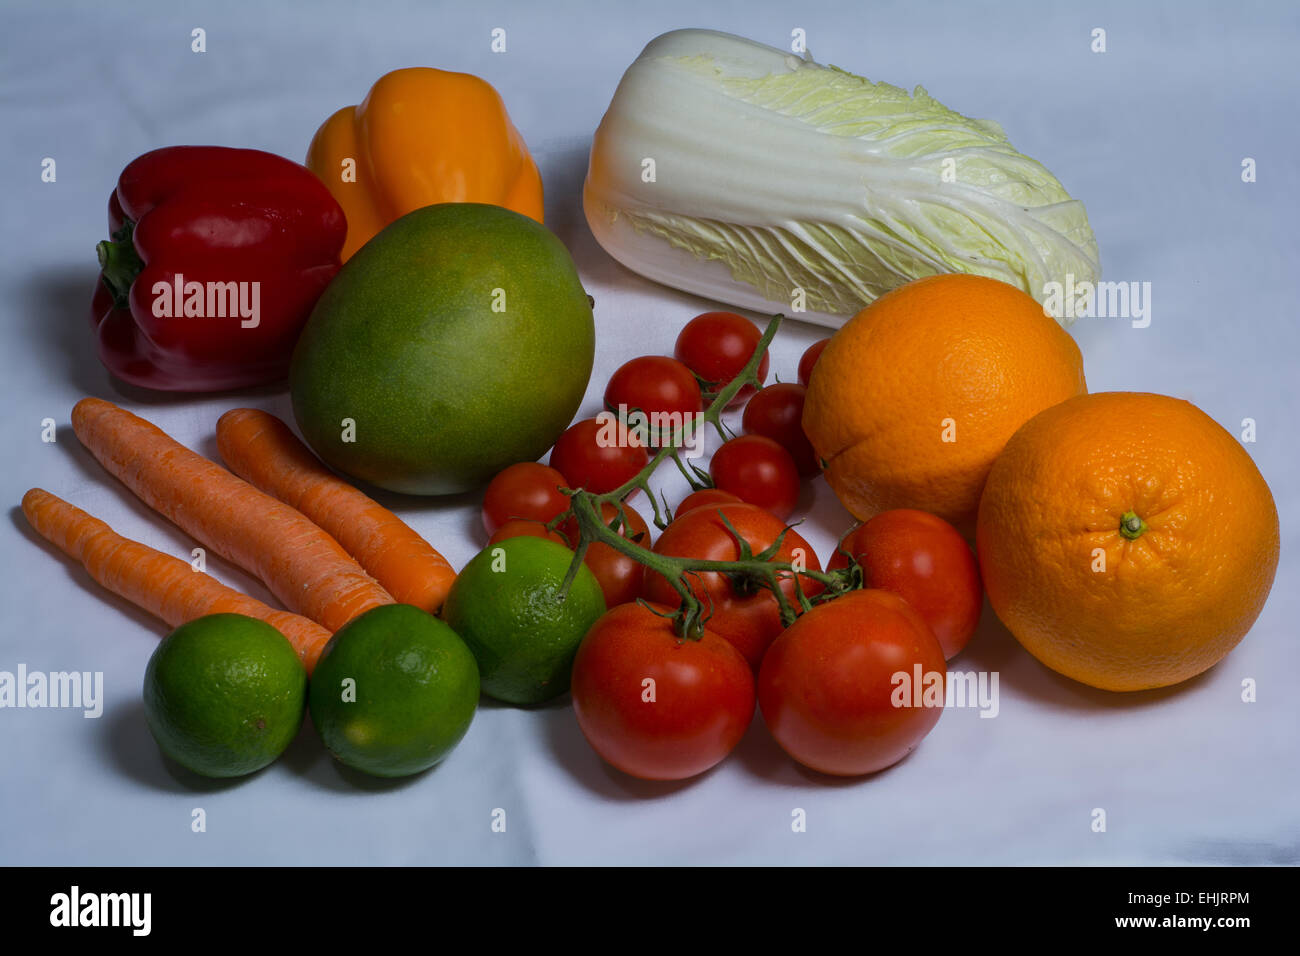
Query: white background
(1150, 135)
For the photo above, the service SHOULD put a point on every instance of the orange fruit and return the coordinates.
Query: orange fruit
(1127, 540)
(918, 393)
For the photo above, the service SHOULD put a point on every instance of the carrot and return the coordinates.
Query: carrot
(262, 450)
(301, 565)
(165, 586)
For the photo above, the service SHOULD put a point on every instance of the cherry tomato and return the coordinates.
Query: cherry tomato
(716, 346)
(658, 386)
(524, 527)
(749, 618)
(593, 455)
(526, 490)
(705, 498)
(619, 575)
(697, 706)
(809, 359)
(838, 689)
(758, 471)
(776, 412)
(925, 561)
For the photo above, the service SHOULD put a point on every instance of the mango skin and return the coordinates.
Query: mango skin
(458, 340)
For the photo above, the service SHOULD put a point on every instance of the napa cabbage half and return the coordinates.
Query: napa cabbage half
(746, 174)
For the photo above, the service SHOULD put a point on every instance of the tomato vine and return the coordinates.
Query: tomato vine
(750, 571)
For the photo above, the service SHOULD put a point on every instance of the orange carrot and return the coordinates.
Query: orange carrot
(261, 449)
(165, 586)
(301, 565)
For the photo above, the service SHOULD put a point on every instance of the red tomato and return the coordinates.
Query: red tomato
(705, 498)
(925, 561)
(839, 690)
(776, 412)
(758, 471)
(809, 359)
(592, 455)
(526, 490)
(657, 385)
(693, 714)
(716, 346)
(619, 575)
(523, 527)
(751, 620)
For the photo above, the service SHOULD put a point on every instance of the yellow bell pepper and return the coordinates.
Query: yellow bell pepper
(423, 136)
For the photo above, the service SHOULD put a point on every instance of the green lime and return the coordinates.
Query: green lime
(457, 341)
(394, 691)
(507, 607)
(224, 695)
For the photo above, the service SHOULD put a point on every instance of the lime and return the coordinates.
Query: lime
(457, 341)
(506, 605)
(224, 695)
(394, 691)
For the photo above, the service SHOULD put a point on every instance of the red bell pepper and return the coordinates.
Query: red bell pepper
(216, 259)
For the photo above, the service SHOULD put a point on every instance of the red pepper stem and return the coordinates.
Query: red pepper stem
(119, 263)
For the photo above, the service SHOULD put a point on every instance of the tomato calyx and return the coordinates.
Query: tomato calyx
(697, 478)
(743, 580)
(687, 626)
(852, 559)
